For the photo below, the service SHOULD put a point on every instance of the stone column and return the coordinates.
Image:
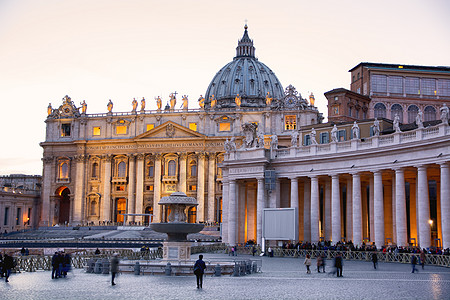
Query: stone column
(335, 209)
(131, 203)
(371, 212)
(225, 210)
(424, 207)
(259, 210)
(274, 197)
(183, 168)
(211, 186)
(400, 207)
(157, 189)
(139, 206)
(232, 201)
(307, 210)
(79, 190)
(106, 212)
(294, 192)
(327, 211)
(445, 204)
(315, 234)
(357, 209)
(349, 211)
(201, 188)
(46, 186)
(378, 209)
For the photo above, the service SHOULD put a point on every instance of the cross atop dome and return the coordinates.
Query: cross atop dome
(245, 45)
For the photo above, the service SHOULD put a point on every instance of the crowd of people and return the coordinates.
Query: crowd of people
(61, 264)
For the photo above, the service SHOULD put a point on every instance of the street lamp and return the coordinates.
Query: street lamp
(430, 222)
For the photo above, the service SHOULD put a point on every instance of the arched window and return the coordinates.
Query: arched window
(193, 168)
(397, 109)
(379, 111)
(121, 169)
(95, 170)
(172, 168)
(412, 113)
(150, 169)
(430, 113)
(64, 170)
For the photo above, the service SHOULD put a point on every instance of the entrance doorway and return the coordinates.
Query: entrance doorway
(148, 210)
(192, 215)
(64, 205)
(121, 207)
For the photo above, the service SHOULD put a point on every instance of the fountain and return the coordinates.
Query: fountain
(177, 246)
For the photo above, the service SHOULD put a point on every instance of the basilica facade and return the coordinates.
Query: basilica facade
(368, 175)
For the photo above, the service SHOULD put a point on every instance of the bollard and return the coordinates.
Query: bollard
(91, 265)
(98, 267)
(168, 269)
(105, 266)
(217, 270)
(248, 267)
(236, 270)
(137, 269)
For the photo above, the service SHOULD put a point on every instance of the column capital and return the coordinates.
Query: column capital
(356, 174)
(333, 176)
(80, 158)
(212, 155)
(201, 155)
(107, 157)
(182, 155)
(293, 178)
(377, 172)
(139, 156)
(158, 156)
(47, 159)
(444, 164)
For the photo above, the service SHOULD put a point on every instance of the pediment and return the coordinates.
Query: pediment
(169, 129)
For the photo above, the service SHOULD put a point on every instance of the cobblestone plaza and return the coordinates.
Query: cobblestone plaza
(281, 278)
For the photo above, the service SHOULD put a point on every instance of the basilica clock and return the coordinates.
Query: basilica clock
(290, 101)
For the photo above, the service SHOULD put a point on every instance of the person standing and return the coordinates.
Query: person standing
(8, 263)
(199, 270)
(338, 264)
(1, 266)
(55, 265)
(375, 260)
(307, 263)
(319, 263)
(413, 263)
(114, 267)
(422, 258)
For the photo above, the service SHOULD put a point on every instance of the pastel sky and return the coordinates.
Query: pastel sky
(120, 50)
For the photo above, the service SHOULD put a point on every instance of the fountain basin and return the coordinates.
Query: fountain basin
(177, 232)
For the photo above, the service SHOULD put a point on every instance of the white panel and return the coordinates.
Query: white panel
(280, 224)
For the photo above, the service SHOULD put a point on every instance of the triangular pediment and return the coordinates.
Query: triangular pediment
(169, 129)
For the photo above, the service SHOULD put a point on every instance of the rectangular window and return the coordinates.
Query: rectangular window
(444, 87)
(224, 126)
(96, 131)
(428, 86)
(379, 83)
(6, 220)
(290, 123)
(412, 86)
(192, 187)
(65, 130)
(395, 84)
(18, 217)
(349, 111)
(120, 188)
(307, 140)
(324, 138)
(342, 136)
(193, 126)
(121, 129)
(150, 126)
(149, 188)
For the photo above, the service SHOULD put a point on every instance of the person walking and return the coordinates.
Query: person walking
(114, 267)
(413, 263)
(8, 264)
(422, 258)
(307, 263)
(1, 266)
(375, 260)
(199, 270)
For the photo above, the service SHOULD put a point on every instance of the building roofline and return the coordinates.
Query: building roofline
(342, 90)
(370, 65)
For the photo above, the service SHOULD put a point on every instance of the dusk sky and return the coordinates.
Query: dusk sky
(120, 50)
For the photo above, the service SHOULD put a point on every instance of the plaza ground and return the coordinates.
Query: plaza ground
(281, 278)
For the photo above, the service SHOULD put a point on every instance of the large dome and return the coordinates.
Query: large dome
(244, 77)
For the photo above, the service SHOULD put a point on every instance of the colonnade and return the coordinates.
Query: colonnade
(380, 206)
